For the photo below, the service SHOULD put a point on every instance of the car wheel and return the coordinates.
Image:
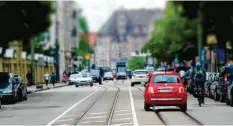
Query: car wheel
(183, 108)
(216, 96)
(91, 85)
(100, 82)
(222, 98)
(146, 106)
(76, 85)
(132, 84)
(25, 97)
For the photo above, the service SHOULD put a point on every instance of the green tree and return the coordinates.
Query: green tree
(22, 20)
(170, 34)
(84, 46)
(136, 63)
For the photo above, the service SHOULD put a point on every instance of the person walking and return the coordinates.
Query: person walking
(53, 79)
(29, 78)
(46, 78)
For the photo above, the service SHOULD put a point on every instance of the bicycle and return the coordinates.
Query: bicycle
(198, 95)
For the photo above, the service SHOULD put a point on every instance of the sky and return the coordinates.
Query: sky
(98, 11)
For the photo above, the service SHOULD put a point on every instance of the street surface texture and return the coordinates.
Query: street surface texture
(112, 103)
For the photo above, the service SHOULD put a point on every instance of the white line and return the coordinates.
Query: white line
(135, 121)
(123, 114)
(50, 123)
(121, 124)
(97, 113)
(122, 119)
(95, 117)
(64, 120)
(91, 122)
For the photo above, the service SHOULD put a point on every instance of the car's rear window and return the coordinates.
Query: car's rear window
(166, 79)
(141, 72)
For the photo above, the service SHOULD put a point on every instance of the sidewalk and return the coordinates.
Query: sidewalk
(33, 89)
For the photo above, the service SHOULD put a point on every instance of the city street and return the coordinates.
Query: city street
(113, 103)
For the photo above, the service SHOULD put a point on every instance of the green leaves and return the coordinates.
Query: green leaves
(83, 24)
(170, 34)
(136, 63)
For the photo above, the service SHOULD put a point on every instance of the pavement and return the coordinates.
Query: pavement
(114, 103)
(33, 88)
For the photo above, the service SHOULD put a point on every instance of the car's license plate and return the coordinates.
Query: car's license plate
(165, 90)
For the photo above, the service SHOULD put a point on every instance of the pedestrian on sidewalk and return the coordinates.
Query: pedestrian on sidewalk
(29, 78)
(53, 79)
(46, 78)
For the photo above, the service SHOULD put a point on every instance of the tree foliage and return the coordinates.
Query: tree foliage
(84, 46)
(136, 63)
(22, 20)
(171, 34)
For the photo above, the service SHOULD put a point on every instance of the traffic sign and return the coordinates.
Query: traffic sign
(87, 56)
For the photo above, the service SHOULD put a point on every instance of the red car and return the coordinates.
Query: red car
(165, 89)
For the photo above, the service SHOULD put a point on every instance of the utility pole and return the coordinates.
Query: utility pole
(57, 45)
(32, 50)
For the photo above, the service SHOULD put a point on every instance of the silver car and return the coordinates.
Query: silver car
(73, 79)
(84, 79)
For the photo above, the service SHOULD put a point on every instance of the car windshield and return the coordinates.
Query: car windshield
(140, 72)
(108, 74)
(84, 75)
(165, 79)
(74, 75)
(95, 73)
(4, 80)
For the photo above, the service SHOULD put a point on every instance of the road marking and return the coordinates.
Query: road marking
(64, 120)
(122, 110)
(121, 124)
(50, 123)
(91, 122)
(95, 117)
(123, 114)
(122, 119)
(97, 113)
(135, 121)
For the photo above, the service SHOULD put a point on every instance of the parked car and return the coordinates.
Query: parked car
(96, 77)
(139, 76)
(108, 76)
(84, 79)
(225, 80)
(12, 88)
(209, 80)
(165, 89)
(215, 87)
(0, 101)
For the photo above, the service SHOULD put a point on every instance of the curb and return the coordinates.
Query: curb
(29, 92)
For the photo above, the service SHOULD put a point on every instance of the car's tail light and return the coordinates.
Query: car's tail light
(181, 90)
(151, 90)
(225, 79)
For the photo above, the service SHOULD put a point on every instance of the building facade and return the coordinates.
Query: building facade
(68, 32)
(123, 35)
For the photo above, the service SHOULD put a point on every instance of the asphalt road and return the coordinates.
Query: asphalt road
(114, 103)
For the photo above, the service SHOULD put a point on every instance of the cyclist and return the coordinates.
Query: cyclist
(199, 79)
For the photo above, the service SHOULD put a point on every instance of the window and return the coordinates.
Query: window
(140, 72)
(166, 79)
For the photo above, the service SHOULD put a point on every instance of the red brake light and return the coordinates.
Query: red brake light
(181, 90)
(151, 90)
(225, 79)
